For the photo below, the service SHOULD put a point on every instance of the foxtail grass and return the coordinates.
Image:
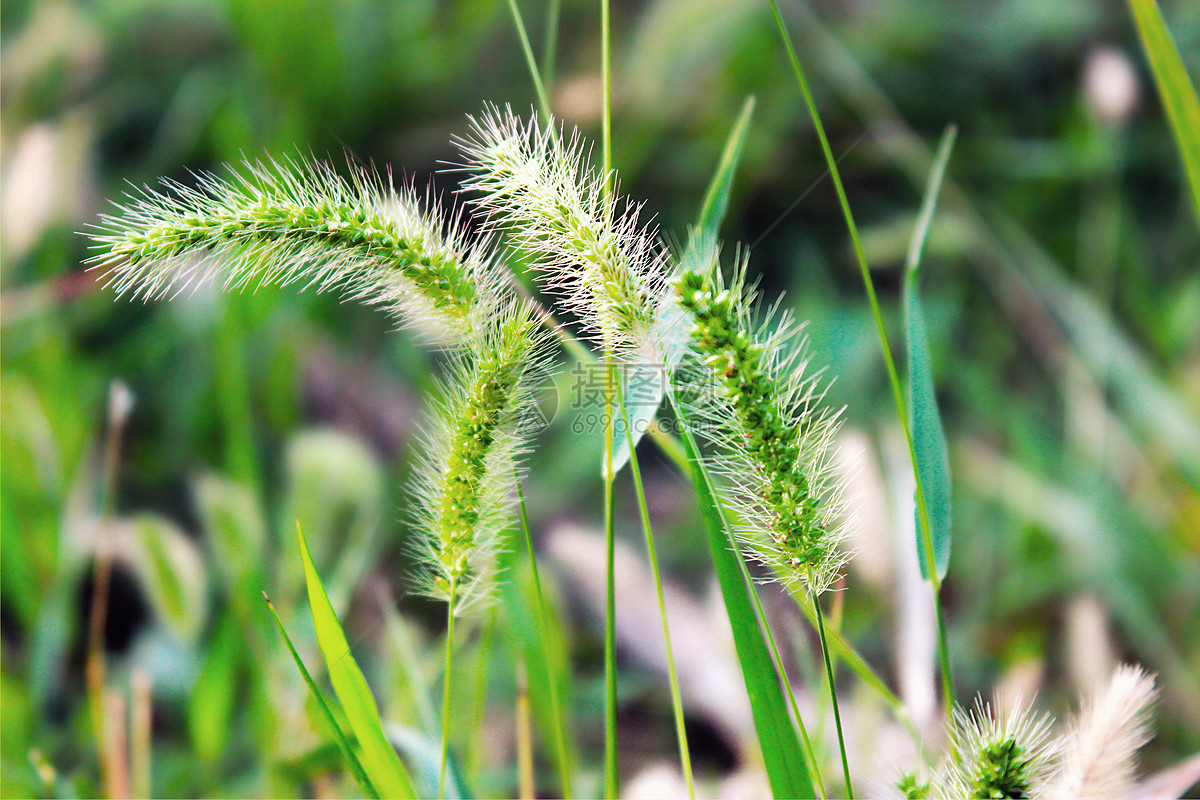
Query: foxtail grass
(297, 221)
(588, 246)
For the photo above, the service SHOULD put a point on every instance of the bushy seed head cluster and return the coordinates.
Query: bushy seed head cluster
(997, 754)
(1016, 754)
(299, 221)
(588, 245)
(464, 482)
(763, 413)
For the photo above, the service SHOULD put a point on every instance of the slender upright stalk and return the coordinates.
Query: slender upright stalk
(610, 591)
(560, 737)
(446, 688)
(539, 87)
(605, 96)
(685, 758)
(837, 715)
(610, 606)
(550, 43)
(893, 377)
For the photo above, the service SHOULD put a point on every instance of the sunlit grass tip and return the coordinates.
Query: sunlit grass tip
(534, 181)
(297, 221)
(761, 407)
(463, 489)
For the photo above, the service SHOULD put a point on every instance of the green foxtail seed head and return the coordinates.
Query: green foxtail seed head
(587, 244)
(763, 413)
(479, 430)
(996, 754)
(299, 221)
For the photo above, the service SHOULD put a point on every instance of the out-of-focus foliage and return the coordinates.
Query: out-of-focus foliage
(1061, 285)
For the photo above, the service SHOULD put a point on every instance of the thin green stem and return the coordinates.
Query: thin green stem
(560, 738)
(837, 715)
(893, 376)
(605, 97)
(446, 688)
(610, 592)
(550, 43)
(685, 758)
(539, 87)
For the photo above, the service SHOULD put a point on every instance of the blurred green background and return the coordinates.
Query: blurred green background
(1062, 282)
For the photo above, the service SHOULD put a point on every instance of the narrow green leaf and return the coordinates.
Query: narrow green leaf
(356, 767)
(379, 759)
(535, 626)
(211, 706)
(787, 770)
(716, 198)
(1174, 88)
(645, 384)
(924, 419)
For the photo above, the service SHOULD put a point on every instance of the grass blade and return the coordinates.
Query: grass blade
(716, 197)
(553, 674)
(929, 438)
(881, 329)
(356, 768)
(1174, 88)
(787, 770)
(379, 759)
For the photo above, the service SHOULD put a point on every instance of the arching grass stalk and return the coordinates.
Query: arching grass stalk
(893, 377)
(763, 413)
(559, 732)
(685, 758)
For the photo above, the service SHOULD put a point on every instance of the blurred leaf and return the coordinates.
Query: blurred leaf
(344, 746)
(787, 768)
(1174, 88)
(211, 707)
(410, 689)
(234, 527)
(335, 490)
(924, 419)
(543, 649)
(171, 571)
(645, 384)
(378, 758)
(425, 756)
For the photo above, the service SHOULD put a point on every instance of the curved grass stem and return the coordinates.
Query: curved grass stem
(893, 376)
(685, 758)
